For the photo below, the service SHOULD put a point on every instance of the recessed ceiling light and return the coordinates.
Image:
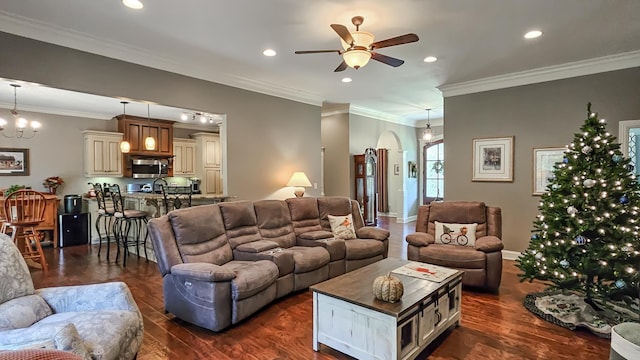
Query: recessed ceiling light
(347, 80)
(430, 59)
(269, 52)
(133, 4)
(533, 34)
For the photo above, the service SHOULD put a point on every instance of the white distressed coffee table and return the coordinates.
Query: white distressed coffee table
(348, 318)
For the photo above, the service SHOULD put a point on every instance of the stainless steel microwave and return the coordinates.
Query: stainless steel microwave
(149, 168)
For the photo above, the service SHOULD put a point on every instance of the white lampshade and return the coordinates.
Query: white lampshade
(125, 147)
(360, 38)
(356, 58)
(300, 181)
(150, 143)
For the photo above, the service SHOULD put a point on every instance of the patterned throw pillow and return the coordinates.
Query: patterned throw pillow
(342, 226)
(456, 234)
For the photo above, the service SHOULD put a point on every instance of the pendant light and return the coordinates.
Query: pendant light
(20, 122)
(149, 141)
(427, 134)
(125, 147)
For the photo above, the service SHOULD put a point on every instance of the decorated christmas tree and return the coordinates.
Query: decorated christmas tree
(586, 239)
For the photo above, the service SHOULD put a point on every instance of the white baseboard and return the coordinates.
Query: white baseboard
(510, 255)
(407, 220)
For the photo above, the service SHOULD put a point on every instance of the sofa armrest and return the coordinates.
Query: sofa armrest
(94, 297)
(420, 239)
(489, 244)
(202, 272)
(257, 246)
(316, 235)
(371, 232)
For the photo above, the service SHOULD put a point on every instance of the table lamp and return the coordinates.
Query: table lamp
(300, 181)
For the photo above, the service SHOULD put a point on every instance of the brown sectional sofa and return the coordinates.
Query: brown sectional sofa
(221, 263)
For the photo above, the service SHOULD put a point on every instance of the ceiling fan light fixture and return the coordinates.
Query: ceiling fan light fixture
(356, 58)
(360, 38)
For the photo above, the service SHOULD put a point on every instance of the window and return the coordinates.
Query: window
(433, 172)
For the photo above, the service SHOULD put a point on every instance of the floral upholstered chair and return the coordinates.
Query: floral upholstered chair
(99, 321)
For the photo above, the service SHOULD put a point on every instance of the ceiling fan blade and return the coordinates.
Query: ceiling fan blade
(317, 51)
(343, 65)
(386, 59)
(398, 40)
(343, 32)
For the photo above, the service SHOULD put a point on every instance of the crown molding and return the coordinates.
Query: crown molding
(56, 111)
(363, 111)
(57, 35)
(550, 73)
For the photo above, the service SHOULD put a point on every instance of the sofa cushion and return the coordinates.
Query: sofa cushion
(200, 234)
(456, 234)
(316, 235)
(370, 232)
(304, 214)
(460, 212)
(309, 258)
(274, 222)
(342, 226)
(461, 257)
(335, 206)
(357, 249)
(240, 222)
(251, 277)
(23, 311)
(16, 279)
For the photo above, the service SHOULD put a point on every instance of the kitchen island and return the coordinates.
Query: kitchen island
(153, 203)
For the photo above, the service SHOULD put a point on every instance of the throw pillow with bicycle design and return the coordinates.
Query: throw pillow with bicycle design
(456, 234)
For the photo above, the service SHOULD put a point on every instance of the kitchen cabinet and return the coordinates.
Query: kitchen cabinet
(184, 161)
(102, 156)
(136, 129)
(209, 162)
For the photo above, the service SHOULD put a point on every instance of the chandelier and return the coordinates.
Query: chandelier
(427, 134)
(199, 116)
(20, 122)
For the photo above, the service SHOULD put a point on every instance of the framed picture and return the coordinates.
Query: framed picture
(396, 169)
(493, 159)
(14, 162)
(544, 159)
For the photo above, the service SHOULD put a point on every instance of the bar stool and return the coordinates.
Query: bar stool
(24, 210)
(105, 211)
(125, 219)
(176, 197)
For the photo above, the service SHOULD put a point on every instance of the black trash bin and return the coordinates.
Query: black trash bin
(72, 204)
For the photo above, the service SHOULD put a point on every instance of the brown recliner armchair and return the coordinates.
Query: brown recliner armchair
(482, 264)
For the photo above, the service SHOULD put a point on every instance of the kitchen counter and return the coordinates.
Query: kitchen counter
(153, 203)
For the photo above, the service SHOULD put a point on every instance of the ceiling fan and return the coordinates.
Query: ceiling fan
(358, 46)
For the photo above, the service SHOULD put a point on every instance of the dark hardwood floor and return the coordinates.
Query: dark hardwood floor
(494, 326)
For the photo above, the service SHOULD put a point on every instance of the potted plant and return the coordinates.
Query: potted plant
(52, 182)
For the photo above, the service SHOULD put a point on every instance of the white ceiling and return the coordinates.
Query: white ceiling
(479, 45)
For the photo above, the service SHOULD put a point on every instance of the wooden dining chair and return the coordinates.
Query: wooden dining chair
(24, 211)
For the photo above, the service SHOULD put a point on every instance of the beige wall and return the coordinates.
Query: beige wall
(539, 115)
(337, 162)
(364, 132)
(268, 138)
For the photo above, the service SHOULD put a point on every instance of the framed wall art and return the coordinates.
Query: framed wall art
(544, 159)
(14, 162)
(493, 159)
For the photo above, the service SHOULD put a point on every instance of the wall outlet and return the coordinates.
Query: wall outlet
(315, 185)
